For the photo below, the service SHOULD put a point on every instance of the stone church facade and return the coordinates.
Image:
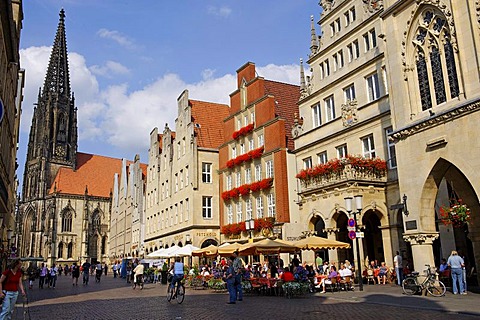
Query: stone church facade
(64, 213)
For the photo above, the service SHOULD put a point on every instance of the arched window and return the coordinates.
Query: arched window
(435, 60)
(60, 250)
(70, 250)
(67, 221)
(104, 245)
(96, 220)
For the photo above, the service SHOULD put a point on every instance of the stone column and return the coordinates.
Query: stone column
(332, 254)
(421, 249)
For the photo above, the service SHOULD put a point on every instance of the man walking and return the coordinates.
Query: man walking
(86, 269)
(238, 270)
(398, 264)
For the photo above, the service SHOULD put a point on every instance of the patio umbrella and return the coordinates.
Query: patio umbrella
(229, 249)
(209, 251)
(318, 243)
(185, 251)
(156, 254)
(267, 246)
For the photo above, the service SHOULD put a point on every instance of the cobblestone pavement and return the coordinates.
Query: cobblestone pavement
(115, 299)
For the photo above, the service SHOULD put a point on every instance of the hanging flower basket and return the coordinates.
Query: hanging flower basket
(457, 214)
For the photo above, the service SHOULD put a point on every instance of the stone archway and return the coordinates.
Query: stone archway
(208, 242)
(373, 241)
(320, 230)
(342, 235)
(447, 181)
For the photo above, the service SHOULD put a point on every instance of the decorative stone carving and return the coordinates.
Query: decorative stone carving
(477, 8)
(349, 113)
(439, 119)
(326, 5)
(373, 204)
(421, 238)
(297, 128)
(373, 5)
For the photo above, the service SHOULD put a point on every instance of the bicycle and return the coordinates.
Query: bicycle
(138, 281)
(435, 287)
(178, 292)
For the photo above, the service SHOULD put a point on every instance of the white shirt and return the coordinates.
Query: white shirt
(397, 261)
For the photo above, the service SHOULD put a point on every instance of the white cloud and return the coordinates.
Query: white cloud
(116, 36)
(109, 69)
(219, 11)
(124, 119)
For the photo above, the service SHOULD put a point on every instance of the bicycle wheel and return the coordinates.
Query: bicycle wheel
(169, 293)
(180, 293)
(409, 286)
(436, 288)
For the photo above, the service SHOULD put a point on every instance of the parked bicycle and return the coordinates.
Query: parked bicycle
(177, 292)
(411, 284)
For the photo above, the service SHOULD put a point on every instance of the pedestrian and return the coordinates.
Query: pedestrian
(10, 282)
(456, 263)
(86, 269)
(43, 274)
(53, 276)
(75, 274)
(31, 276)
(230, 280)
(319, 263)
(398, 264)
(105, 268)
(238, 269)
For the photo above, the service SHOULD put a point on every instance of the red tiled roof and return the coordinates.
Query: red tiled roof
(286, 97)
(208, 118)
(93, 172)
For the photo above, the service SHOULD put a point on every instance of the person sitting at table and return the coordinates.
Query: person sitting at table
(333, 274)
(287, 275)
(443, 265)
(348, 265)
(326, 268)
(344, 272)
(300, 273)
(382, 273)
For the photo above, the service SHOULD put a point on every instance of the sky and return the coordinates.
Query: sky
(131, 59)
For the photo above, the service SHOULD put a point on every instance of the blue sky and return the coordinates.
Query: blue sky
(131, 59)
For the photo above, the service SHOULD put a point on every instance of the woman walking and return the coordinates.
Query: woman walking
(10, 282)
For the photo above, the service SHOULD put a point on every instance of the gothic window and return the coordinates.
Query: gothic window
(70, 250)
(60, 250)
(96, 220)
(104, 245)
(435, 60)
(67, 221)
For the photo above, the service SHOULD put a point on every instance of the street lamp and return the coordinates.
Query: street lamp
(358, 208)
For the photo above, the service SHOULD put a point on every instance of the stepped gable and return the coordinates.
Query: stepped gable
(93, 172)
(208, 122)
(286, 97)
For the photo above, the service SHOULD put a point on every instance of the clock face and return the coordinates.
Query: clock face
(60, 151)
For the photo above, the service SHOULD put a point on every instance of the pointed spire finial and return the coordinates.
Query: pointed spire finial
(62, 15)
(314, 39)
(302, 76)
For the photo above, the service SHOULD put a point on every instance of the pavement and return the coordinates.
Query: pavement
(115, 299)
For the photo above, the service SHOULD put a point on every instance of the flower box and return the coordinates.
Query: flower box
(253, 154)
(243, 131)
(246, 188)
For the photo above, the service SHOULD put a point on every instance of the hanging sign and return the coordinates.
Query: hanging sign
(351, 223)
(352, 235)
(2, 110)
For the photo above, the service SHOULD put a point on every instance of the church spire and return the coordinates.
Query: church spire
(57, 80)
(302, 77)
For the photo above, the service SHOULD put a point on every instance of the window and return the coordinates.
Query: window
(187, 210)
(327, 68)
(251, 145)
(258, 172)
(338, 62)
(252, 117)
(353, 51)
(342, 151)
(307, 163)
(239, 124)
(373, 87)
(183, 146)
(181, 212)
(234, 152)
(70, 250)
(322, 71)
(176, 214)
(329, 109)
(229, 214)
(368, 147)
(316, 116)
(392, 156)
(178, 150)
(269, 168)
(332, 29)
(167, 192)
(370, 40)
(67, 221)
(176, 183)
(186, 176)
(259, 202)
(60, 250)
(206, 172)
(242, 148)
(248, 209)
(207, 207)
(239, 212)
(238, 179)
(248, 175)
(181, 179)
(229, 182)
(350, 16)
(435, 61)
(349, 93)
(338, 25)
(271, 205)
(260, 140)
(322, 157)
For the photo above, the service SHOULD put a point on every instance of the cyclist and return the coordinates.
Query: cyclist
(177, 272)
(138, 275)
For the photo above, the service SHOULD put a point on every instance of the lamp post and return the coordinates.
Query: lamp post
(358, 208)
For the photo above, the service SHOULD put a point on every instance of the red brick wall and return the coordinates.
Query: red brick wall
(264, 111)
(275, 135)
(247, 71)
(281, 186)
